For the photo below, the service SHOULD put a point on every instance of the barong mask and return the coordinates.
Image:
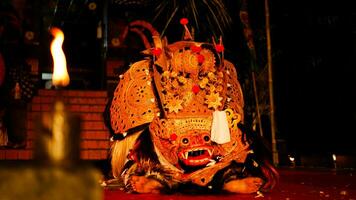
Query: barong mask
(190, 98)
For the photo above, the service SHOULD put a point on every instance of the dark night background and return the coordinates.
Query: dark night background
(313, 48)
(315, 75)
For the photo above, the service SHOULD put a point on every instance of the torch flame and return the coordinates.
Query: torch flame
(60, 75)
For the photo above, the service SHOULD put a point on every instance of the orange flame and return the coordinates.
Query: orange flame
(60, 75)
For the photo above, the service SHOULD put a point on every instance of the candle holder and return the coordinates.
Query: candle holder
(58, 136)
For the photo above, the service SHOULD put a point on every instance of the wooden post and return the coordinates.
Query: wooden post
(270, 86)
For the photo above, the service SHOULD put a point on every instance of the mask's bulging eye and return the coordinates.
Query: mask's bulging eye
(185, 141)
(206, 138)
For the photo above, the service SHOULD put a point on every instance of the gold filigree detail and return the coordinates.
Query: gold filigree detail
(212, 88)
(213, 100)
(182, 80)
(233, 118)
(188, 96)
(211, 76)
(203, 82)
(181, 126)
(174, 104)
(209, 60)
(166, 74)
(219, 88)
(174, 74)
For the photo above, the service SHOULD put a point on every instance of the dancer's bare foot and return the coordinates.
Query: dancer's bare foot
(142, 184)
(244, 186)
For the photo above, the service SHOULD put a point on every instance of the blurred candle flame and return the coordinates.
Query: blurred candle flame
(57, 144)
(60, 75)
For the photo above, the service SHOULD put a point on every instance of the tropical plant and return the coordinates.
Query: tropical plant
(207, 17)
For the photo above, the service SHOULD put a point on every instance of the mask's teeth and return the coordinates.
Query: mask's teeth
(186, 155)
(210, 152)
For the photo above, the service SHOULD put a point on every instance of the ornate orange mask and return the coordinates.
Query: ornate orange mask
(191, 99)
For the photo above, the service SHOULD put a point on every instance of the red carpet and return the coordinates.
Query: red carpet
(295, 184)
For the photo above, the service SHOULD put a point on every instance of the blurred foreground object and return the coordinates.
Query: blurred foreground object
(57, 172)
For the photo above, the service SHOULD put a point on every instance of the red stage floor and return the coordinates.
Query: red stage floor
(295, 184)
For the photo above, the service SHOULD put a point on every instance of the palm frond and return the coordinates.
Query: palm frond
(214, 16)
(195, 13)
(131, 2)
(169, 20)
(159, 9)
(215, 20)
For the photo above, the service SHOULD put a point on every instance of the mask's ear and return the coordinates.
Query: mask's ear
(134, 103)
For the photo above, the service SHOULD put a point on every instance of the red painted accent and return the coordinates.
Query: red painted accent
(219, 48)
(195, 89)
(201, 59)
(156, 51)
(195, 49)
(173, 136)
(184, 21)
